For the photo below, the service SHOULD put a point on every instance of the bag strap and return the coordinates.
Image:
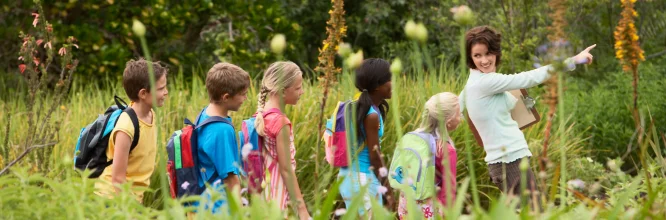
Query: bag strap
(135, 122)
(213, 119)
(430, 139)
(470, 123)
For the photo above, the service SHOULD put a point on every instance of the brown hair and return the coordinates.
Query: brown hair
(136, 78)
(483, 35)
(226, 78)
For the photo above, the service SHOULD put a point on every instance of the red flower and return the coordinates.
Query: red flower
(426, 212)
(22, 68)
(34, 22)
(49, 28)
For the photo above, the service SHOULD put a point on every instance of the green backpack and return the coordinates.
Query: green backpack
(413, 165)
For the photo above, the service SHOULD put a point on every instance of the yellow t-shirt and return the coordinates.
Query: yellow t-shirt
(141, 161)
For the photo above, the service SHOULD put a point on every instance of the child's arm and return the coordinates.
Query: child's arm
(231, 182)
(287, 173)
(371, 125)
(122, 143)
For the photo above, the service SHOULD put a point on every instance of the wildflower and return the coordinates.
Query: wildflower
(383, 172)
(355, 60)
(39, 42)
(576, 184)
(62, 107)
(421, 32)
(245, 202)
(611, 165)
(217, 182)
(463, 15)
(381, 189)
(410, 29)
(543, 175)
(247, 148)
(589, 159)
(34, 22)
(62, 51)
(340, 212)
(21, 58)
(278, 43)
(49, 28)
(48, 45)
(396, 66)
(344, 50)
(138, 28)
(22, 68)
(523, 165)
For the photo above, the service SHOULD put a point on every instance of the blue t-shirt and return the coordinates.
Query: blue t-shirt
(218, 153)
(364, 155)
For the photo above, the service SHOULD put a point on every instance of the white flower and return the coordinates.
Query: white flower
(589, 159)
(576, 184)
(243, 190)
(217, 182)
(138, 28)
(383, 172)
(463, 15)
(611, 165)
(381, 189)
(410, 29)
(244, 201)
(247, 148)
(340, 212)
(344, 50)
(185, 185)
(396, 66)
(421, 32)
(355, 60)
(278, 43)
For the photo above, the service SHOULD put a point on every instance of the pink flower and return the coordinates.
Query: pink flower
(21, 58)
(62, 51)
(34, 22)
(39, 42)
(48, 44)
(382, 189)
(426, 212)
(383, 172)
(340, 212)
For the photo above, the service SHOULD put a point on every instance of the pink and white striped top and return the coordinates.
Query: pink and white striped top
(276, 188)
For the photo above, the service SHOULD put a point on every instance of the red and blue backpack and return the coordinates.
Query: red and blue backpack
(183, 166)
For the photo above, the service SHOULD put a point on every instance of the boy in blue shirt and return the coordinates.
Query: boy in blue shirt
(219, 154)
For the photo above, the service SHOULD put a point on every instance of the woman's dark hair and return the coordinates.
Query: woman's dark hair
(483, 35)
(371, 74)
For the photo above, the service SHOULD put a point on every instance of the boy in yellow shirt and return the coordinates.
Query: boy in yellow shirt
(138, 165)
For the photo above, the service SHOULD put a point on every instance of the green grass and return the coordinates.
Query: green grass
(46, 176)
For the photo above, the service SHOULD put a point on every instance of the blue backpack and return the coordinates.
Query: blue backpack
(93, 141)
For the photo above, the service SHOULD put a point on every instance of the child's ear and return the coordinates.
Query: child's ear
(144, 93)
(226, 97)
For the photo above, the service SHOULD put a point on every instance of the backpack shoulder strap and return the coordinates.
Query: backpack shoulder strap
(213, 119)
(429, 138)
(135, 122)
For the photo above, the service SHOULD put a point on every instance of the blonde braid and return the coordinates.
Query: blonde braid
(261, 102)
